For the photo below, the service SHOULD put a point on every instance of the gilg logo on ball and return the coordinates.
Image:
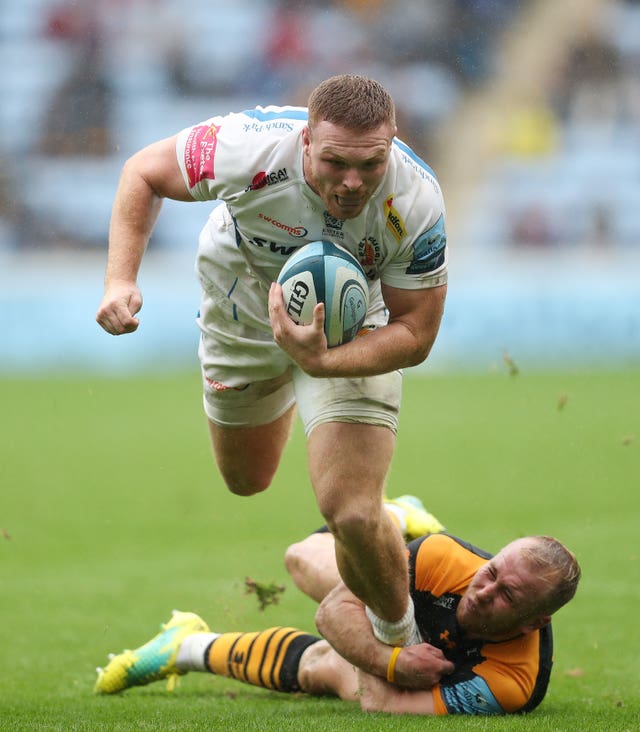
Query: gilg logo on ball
(299, 294)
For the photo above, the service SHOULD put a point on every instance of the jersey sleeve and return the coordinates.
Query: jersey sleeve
(196, 150)
(415, 217)
(489, 678)
(502, 683)
(472, 696)
(220, 157)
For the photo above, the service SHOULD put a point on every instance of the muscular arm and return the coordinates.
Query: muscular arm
(322, 671)
(414, 321)
(376, 695)
(342, 621)
(147, 177)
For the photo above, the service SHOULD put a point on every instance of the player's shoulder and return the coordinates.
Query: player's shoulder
(444, 562)
(270, 118)
(410, 167)
(446, 544)
(416, 203)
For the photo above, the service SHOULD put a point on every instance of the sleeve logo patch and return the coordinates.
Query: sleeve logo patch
(200, 152)
(428, 249)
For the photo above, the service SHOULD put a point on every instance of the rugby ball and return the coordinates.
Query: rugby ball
(325, 272)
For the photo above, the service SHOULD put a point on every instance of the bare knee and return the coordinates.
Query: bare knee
(245, 485)
(301, 557)
(295, 562)
(248, 457)
(353, 522)
(312, 565)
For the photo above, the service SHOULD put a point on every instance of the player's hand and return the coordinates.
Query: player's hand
(306, 344)
(421, 666)
(121, 302)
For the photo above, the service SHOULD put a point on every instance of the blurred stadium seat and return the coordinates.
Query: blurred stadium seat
(557, 181)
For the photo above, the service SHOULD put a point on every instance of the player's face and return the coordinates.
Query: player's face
(501, 600)
(345, 167)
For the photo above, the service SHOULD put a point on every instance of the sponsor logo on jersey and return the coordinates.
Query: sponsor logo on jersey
(200, 152)
(332, 227)
(331, 222)
(395, 222)
(268, 126)
(262, 179)
(275, 247)
(429, 249)
(296, 231)
(446, 640)
(369, 256)
(446, 601)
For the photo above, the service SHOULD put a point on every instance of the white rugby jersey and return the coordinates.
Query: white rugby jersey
(252, 161)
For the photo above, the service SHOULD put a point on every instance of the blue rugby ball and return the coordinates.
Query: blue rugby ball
(325, 272)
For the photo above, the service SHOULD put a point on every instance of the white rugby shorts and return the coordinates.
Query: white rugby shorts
(247, 379)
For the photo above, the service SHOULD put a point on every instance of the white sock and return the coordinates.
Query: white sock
(191, 654)
(403, 632)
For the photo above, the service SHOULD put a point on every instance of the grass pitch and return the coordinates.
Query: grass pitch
(112, 514)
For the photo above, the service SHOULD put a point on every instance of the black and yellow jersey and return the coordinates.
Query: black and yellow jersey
(489, 677)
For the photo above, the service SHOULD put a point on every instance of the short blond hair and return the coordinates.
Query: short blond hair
(551, 560)
(351, 101)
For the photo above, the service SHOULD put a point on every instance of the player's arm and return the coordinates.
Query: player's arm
(147, 177)
(414, 321)
(376, 695)
(342, 621)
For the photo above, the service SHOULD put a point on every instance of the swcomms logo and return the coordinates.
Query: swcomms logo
(298, 232)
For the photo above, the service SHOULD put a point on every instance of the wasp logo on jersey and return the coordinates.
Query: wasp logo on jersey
(395, 222)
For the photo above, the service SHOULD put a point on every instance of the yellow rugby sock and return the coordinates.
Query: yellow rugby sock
(268, 658)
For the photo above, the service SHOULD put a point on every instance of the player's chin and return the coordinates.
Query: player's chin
(347, 210)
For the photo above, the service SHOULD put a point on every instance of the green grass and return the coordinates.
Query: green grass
(112, 514)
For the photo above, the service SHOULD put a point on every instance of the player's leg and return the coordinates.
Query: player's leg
(248, 457)
(248, 397)
(268, 658)
(351, 426)
(322, 671)
(348, 464)
(311, 563)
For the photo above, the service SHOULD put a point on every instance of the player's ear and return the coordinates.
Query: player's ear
(537, 623)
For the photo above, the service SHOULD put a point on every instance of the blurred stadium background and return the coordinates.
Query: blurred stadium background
(529, 111)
